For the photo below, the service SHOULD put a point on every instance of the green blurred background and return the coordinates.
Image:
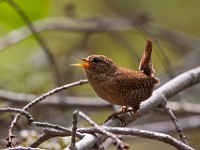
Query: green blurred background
(173, 24)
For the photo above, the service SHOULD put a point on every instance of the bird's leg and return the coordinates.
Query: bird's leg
(124, 109)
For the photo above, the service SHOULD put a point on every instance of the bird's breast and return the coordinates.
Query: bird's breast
(103, 88)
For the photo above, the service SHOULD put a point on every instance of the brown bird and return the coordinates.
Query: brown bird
(118, 85)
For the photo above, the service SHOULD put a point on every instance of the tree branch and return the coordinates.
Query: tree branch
(23, 112)
(158, 98)
(37, 100)
(176, 124)
(48, 134)
(23, 148)
(142, 133)
(117, 141)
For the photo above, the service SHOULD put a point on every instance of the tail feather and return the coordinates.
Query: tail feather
(146, 66)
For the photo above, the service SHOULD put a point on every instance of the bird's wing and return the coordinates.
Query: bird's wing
(129, 82)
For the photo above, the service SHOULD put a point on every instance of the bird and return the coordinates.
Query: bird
(119, 85)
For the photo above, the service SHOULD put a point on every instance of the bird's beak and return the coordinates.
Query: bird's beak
(85, 65)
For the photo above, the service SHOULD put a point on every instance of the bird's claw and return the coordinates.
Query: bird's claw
(115, 115)
(124, 109)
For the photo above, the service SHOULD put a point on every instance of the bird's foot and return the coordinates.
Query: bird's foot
(115, 115)
(124, 109)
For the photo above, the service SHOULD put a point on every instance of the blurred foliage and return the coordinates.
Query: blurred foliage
(34, 9)
(31, 75)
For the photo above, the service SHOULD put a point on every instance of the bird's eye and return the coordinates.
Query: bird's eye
(96, 60)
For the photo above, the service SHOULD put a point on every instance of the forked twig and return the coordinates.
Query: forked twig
(48, 134)
(16, 110)
(142, 133)
(37, 100)
(176, 124)
(117, 141)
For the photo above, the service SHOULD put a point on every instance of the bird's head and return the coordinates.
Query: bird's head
(96, 64)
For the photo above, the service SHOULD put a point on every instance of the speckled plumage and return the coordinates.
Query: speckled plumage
(118, 85)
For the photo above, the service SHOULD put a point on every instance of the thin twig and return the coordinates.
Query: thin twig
(48, 134)
(117, 141)
(74, 128)
(23, 148)
(23, 112)
(141, 133)
(39, 39)
(54, 126)
(37, 100)
(176, 124)
(50, 131)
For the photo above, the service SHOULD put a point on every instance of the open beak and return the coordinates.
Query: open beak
(84, 65)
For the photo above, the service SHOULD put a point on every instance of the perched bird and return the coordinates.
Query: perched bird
(118, 85)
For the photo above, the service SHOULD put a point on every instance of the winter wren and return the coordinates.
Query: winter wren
(118, 85)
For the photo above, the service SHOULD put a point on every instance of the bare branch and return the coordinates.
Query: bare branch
(23, 112)
(37, 100)
(23, 148)
(48, 134)
(55, 130)
(74, 128)
(142, 133)
(51, 131)
(176, 124)
(119, 144)
(53, 126)
(191, 122)
(158, 98)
